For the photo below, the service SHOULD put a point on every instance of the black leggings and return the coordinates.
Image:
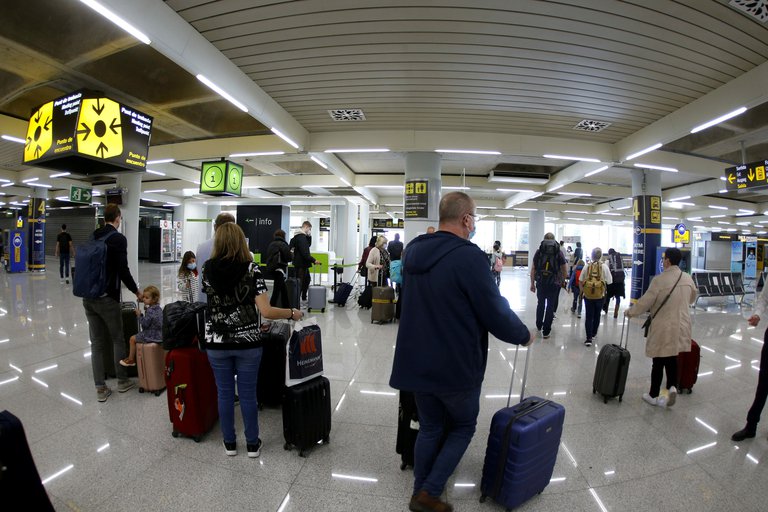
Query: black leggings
(657, 370)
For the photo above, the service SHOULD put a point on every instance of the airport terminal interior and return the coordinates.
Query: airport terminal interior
(625, 124)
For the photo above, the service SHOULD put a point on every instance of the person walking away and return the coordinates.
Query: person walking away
(594, 281)
(578, 253)
(278, 257)
(235, 289)
(302, 259)
(497, 262)
(105, 322)
(187, 279)
(151, 322)
(573, 284)
(395, 248)
(204, 251)
(64, 250)
(616, 288)
(548, 276)
(442, 343)
(377, 263)
(761, 393)
(668, 300)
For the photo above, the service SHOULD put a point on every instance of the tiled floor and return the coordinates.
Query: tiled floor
(615, 456)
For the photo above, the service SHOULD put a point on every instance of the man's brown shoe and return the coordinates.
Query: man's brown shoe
(423, 502)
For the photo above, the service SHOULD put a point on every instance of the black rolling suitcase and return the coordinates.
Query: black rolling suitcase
(19, 479)
(292, 284)
(611, 368)
(341, 295)
(130, 328)
(307, 414)
(407, 428)
(271, 381)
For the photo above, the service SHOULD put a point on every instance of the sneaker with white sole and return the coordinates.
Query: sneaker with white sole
(125, 385)
(672, 396)
(254, 450)
(102, 393)
(649, 399)
(230, 448)
(661, 401)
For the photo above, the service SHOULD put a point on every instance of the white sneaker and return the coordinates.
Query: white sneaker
(672, 396)
(648, 399)
(661, 401)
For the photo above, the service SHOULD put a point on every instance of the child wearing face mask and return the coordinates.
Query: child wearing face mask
(187, 283)
(151, 324)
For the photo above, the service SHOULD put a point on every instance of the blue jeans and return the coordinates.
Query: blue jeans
(594, 308)
(435, 459)
(245, 364)
(547, 295)
(63, 264)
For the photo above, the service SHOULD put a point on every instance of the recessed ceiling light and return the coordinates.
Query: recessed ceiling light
(656, 167)
(720, 119)
(579, 158)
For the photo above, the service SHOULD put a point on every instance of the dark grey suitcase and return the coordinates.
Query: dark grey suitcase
(611, 368)
(292, 284)
(307, 414)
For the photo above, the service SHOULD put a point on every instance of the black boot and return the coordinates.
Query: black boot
(745, 433)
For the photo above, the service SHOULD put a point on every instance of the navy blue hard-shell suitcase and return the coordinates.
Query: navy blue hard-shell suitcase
(522, 448)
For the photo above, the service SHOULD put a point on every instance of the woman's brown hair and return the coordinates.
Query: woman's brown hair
(229, 244)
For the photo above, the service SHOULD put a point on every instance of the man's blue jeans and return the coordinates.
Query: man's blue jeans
(245, 364)
(64, 264)
(448, 416)
(547, 295)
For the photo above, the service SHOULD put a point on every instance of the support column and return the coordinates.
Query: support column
(36, 220)
(535, 232)
(646, 210)
(363, 234)
(344, 235)
(423, 166)
(129, 225)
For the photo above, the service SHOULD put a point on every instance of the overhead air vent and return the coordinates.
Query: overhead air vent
(757, 9)
(589, 125)
(347, 114)
(532, 178)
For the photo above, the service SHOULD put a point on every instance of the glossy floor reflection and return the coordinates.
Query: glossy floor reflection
(120, 455)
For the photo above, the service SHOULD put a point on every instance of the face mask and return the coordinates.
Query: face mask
(191, 266)
(472, 234)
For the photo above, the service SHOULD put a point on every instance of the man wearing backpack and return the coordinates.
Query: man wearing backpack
(302, 259)
(105, 323)
(549, 274)
(594, 281)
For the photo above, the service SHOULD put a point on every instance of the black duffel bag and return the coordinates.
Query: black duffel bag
(183, 323)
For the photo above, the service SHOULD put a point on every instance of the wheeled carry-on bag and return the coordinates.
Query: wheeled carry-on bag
(130, 328)
(192, 397)
(292, 285)
(341, 295)
(688, 368)
(612, 367)
(407, 428)
(150, 362)
(522, 447)
(382, 303)
(317, 295)
(307, 414)
(271, 380)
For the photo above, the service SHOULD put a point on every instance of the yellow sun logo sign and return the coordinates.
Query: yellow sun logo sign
(39, 133)
(99, 132)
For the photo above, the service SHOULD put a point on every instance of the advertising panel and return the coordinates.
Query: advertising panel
(647, 237)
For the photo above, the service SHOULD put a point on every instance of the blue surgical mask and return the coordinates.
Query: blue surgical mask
(472, 233)
(191, 266)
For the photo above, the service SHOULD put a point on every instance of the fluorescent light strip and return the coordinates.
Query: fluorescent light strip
(502, 396)
(59, 175)
(707, 426)
(150, 171)
(568, 452)
(609, 473)
(102, 448)
(556, 187)
(582, 194)
(224, 94)
(372, 150)
(9, 184)
(592, 173)
(71, 398)
(720, 119)
(597, 500)
(456, 188)
(345, 182)
(117, 20)
(39, 381)
(12, 379)
(352, 477)
(158, 191)
(87, 354)
(29, 180)
(715, 207)
(386, 393)
(732, 367)
(557, 479)
(6, 340)
(284, 137)
(656, 167)
(681, 198)
(15, 368)
(58, 473)
(14, 139)
(457, 484)
(284, 503)
(752, 459)
(644, 151)
(729, 357)
(161, 161)
(257, 153)
(42, 185)
(343, 396)
(694, 450)
(41, 370)
(512, 190)
(566, 157)
(319, 162)
(4, 181)
(468, 151)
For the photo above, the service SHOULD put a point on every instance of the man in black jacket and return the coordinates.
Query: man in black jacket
(105, 323)
(395, 248)
(277, 259)
(302, 259)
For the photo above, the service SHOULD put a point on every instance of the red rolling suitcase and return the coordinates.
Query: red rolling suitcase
(522, 448)
(191, 389)
(688, 368)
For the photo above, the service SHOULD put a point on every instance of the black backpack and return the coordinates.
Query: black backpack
(183, 323)
(546, 265)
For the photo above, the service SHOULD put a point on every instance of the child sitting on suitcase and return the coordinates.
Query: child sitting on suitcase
(151, 324)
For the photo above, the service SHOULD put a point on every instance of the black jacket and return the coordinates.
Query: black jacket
(395, 249)
(117, 262)
(300, 244)
(279, 251)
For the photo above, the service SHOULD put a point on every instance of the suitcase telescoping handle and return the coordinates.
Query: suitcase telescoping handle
(525, 374)
(621, 339)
